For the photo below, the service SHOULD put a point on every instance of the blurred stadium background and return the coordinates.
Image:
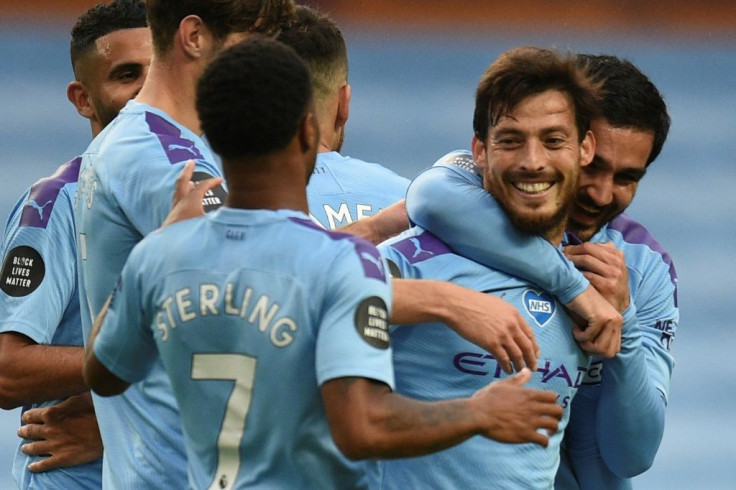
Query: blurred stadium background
(414, 66)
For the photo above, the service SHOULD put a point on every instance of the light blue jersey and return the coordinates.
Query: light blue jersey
(251, 312)
(343, 190)
(617, 419)
(126, 184)
(39, 296)
(432, 362)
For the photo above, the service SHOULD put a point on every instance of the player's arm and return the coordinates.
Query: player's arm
(629, 422)
(454, 218)
(100, 379)
(383, 225)
(368, 420)
(121, 349)
(483, 319)
(33, 373)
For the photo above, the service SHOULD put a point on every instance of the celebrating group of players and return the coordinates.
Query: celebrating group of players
(505, 326)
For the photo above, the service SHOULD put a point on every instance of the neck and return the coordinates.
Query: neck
(170, 87)
(269, 182)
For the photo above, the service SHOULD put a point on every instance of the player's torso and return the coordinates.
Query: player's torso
(432, 362)
(342, 190)
(254, 327)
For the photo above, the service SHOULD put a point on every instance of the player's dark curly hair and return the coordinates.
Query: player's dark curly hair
(102, 19)
(318, 40)
(526, 71)
(630, 99)
(252, 98)
(222, 17)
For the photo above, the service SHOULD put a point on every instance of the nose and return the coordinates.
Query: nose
(534, 156)
(600, 190)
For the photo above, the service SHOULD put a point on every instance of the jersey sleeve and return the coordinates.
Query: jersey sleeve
(125, 343)
(449, 200)
(353, 338)
(39, 271)
(635, 383)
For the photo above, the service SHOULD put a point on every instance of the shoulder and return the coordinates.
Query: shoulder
(50, 196)
(343, 243)
(637, 243)
(416, 245)
(337, 162)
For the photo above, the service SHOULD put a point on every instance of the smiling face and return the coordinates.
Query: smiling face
(607, 186)
(531, 160)
(113, 72)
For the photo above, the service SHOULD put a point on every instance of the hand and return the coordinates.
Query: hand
(497, 326)
(383, 225)
(188, 196)
(598, 324)
(67, 432)
(605, 267)
(515, 414)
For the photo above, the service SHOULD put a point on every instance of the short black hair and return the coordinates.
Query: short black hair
(222, 17)
(630, 99)
(525, 71)
(252, 98)
(320, 43)
(101, 20)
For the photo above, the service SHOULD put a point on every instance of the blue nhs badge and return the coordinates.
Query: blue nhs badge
(540, 306)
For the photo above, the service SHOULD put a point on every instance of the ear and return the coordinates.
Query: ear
(479, 152)
(309, 132)
(77, 94)
(343, 106)
(587, 149)
(190, 35)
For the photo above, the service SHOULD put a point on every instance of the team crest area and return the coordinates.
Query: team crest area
(540, 306)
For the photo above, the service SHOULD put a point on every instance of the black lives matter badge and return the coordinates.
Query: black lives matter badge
(214, 197)
(23, 271)
(371, 321)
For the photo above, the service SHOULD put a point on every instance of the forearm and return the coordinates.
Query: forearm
(420, 301)
(33, 373)
(393, 426)
(630, 421)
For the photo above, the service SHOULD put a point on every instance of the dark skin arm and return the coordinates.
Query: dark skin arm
(368, 420)
(484, 319)
(34, 373)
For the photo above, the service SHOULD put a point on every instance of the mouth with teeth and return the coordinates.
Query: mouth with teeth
(533, 187)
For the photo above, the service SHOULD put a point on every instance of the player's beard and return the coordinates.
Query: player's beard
(549, 224)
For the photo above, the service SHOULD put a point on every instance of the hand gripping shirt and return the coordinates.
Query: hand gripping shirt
(432, 362)
(617, 419)
(627, 409)
(39, 296)
(126, 184)
(343, 190)
(251, 312)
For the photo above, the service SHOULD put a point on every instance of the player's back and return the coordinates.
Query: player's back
(342, 190)
(248, 321)
(433, 362)
(125, 188)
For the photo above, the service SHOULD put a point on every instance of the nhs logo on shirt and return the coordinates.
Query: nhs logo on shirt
(540, 306)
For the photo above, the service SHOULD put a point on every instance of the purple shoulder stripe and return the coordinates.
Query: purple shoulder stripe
(369, 256)
(41, 199)
(177, 148)
(421, 247)
(635, 233)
